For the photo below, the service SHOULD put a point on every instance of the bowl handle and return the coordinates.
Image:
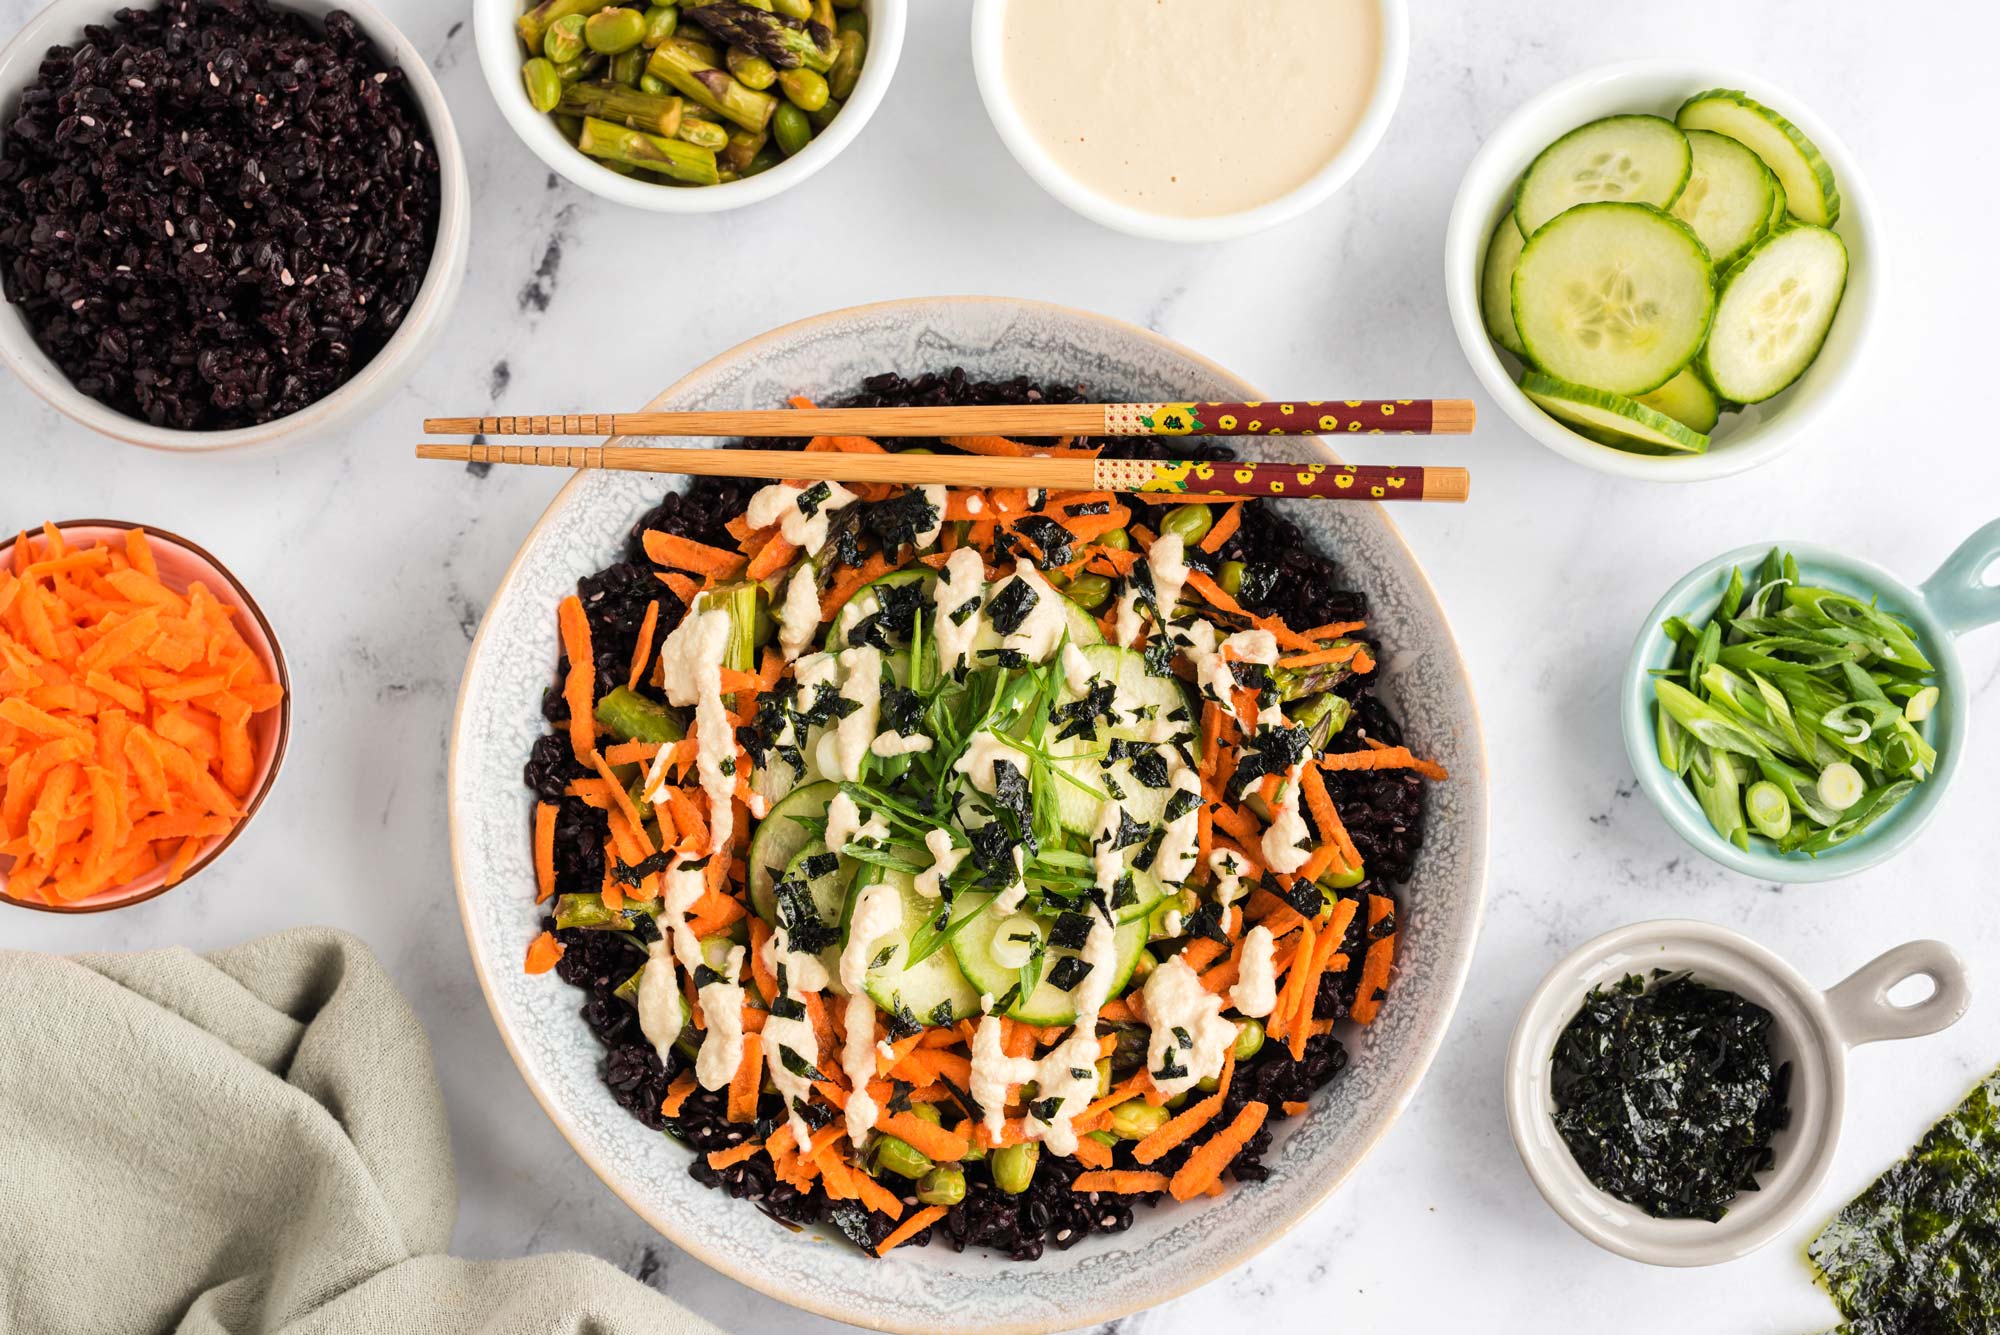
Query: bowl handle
(1955, 592)
(1863, 1013)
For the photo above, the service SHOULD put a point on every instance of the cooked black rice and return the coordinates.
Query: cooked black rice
(215, 212)
(1383, 812)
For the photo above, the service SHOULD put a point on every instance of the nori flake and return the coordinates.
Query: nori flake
(1068, 972)
(1008, 608)
(1918, 1253)
(902, 518)
(1667, 1095)
(1070, 930)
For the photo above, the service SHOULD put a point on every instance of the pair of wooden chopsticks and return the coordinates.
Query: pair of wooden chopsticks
(1051, 469)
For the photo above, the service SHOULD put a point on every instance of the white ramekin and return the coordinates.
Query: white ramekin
(62, 23)
(1742, 440)
(988, 67)
(501, 56)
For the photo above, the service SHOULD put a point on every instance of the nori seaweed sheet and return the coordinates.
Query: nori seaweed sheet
(1918, 1253)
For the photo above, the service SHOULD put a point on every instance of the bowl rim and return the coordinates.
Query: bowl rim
(1446, 995)
(1383, 98)
(1806, 1021)
(1897, 829)
(279, 745)
(1473, 217)
(500, 61)
(434, 299)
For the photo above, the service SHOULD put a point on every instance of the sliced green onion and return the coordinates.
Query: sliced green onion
(1769, 811)
(1840, 785)
(1921, 704)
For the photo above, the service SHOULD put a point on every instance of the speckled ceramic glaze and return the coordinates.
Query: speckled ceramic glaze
(1171, 1249)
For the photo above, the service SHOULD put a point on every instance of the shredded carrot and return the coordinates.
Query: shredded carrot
(744, 1084)
(1339, 653)
(678, 553)
(1388, 757)
(772, 557)
(1092, 1152)
(849, 582)
(683, 588)
(1223, 529)
(1280, 1021)
(909, 1228)
(642, 652)
(735, 1154)
(545, 850)
(543, 952)
(1314, 966)
(1178, 1129)
(924, 1137)
(1205, 1166)
(580, 684)
(874, 1195)
(677, 1094)
(1375, 969)
(1325, 815)
(1123, 1182)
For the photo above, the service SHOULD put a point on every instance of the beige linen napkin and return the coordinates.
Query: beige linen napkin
(249, 1142)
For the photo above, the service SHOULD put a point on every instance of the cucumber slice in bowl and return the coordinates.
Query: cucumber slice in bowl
(1731, 199)
(933, 990)
(1620, 159)
(778, 839)
(1688, 400)
(1602, 414)
(1775, 307)
(1496, 285)
(1810, 191)
(1615, 296)
(987, 948)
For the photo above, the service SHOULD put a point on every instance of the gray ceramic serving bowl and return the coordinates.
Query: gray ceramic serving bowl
(1811, 1029)
(1171, 1249)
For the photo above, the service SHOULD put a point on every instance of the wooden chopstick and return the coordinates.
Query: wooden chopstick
(1160, 480)
(1298, 417)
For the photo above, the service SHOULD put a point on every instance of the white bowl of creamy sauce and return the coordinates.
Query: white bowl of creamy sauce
(1188, 120)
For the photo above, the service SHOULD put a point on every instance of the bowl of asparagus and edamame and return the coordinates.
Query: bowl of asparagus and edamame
(693, 106)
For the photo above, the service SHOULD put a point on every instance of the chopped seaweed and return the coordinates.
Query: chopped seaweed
(1668, 1096)
(1918, 1253)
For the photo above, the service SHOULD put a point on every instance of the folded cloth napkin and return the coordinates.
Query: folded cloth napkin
(249, 1142)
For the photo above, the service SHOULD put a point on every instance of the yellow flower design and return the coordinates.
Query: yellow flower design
(1227, 421)
(1204, 471)
(1245, 474)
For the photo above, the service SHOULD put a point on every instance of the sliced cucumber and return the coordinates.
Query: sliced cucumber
(973, 947)
(1496, 285)
(778, 839)
(1775, 306)
(829, 898)
(1688, 400)
(1611, 413)
(1616, 296)
(1810, 191)
(1083, 627)
(1620, 159)
(934, 991)
(1730, 196)
(1081, 757)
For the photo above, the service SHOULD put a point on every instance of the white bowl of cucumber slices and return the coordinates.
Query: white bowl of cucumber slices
(1663, 270)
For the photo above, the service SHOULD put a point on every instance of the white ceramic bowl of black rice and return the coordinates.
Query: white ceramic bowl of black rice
(241, 316)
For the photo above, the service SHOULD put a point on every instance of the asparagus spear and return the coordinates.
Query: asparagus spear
(681, 64)
(786, 42)
(533, 24)
(743, 147)
(627, 106)
(703, 133)
(649, 152)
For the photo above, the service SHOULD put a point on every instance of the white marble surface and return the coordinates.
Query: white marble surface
(375, 570)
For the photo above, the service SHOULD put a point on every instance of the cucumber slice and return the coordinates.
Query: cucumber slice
(973, 948)
(1496, 285)
(829, 897)
(1615, 296)
(1688, 400)
(934, 991)
(1077, 809)
(1611, 413)
(1620, 159)
(1773, 311)
(1730, 197)
(1083, 627)
(1810, 192)
(778, 839)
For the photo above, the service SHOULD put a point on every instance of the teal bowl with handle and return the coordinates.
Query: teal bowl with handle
(1955, 600)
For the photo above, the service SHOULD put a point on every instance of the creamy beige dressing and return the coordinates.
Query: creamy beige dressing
(1187, 108)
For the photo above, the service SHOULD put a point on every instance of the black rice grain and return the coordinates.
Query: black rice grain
(215, 212)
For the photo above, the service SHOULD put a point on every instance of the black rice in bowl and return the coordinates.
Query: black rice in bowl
(214, 213)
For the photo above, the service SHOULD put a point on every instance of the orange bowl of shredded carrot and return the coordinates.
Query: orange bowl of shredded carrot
(144, 711)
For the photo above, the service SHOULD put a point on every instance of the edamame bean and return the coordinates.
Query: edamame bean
(927, 1112)
(793, 9)
(943, 1185)
(808, 91)
(564, 40)
(1014, 1167)
(1249, 1038)
(1103, 1076)
(628, 67)
(847, 64)
(614, 31)
(853, 21)
(901, 1158)
(752, 71)
(544, 85)
(791, 129)
(1232, 577)
(1346, 878)
(1090, 592)
(820, 120)
(576, 71)
(661, 23)
(1118, 538)
(658, 87)
(1135, 1119)
(1192, 522)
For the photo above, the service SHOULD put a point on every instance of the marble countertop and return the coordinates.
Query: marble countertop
(375, 571)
